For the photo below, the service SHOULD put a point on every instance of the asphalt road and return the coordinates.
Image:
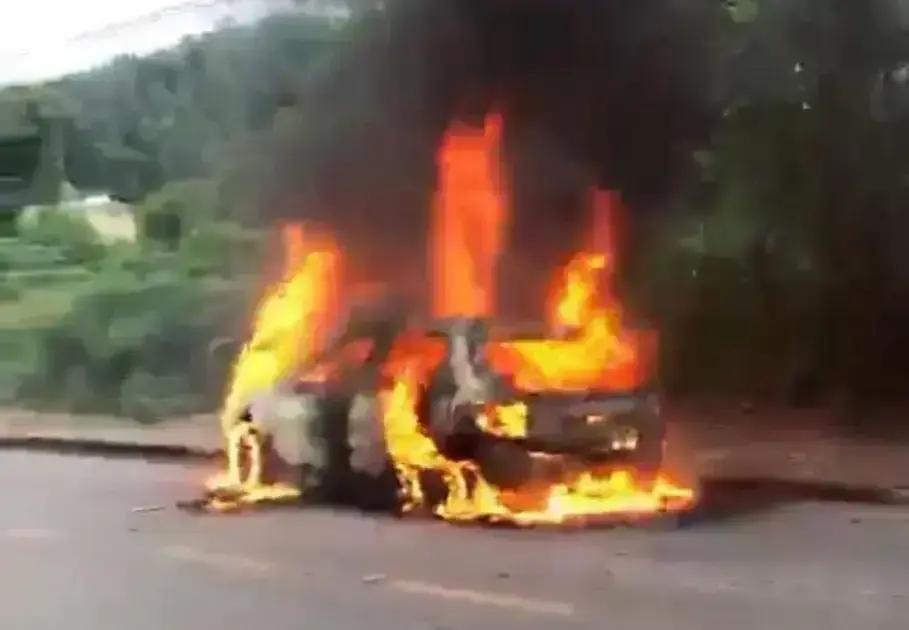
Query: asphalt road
(75, 553)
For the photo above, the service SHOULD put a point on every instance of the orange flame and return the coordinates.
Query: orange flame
(589, 348)
(507, 421)
(289, 324)
(598, 355)
(575, 307)
(243, 483)
(289, 321)
(470, 497)
(469, 216)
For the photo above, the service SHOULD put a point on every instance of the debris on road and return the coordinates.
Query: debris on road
(148, 508)
(374, 578)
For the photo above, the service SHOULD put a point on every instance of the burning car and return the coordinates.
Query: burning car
(471, 412)
(462, 416)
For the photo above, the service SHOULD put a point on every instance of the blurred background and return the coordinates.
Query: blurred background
(147, 157)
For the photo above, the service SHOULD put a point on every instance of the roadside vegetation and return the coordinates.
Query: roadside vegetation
(143, 329)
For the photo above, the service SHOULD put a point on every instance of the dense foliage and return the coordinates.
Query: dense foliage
(142, 122)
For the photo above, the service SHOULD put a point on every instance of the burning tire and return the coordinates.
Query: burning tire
(505, 464)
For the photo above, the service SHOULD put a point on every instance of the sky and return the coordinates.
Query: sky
(45, 39)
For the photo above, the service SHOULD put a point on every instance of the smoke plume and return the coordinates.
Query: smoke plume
(593, 93)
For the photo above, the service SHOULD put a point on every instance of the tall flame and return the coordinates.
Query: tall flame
(289, 321)
(289, 324)
(589, 349)
(469, 217)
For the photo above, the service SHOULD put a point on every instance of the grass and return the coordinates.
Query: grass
(16, 255)
(17, 361)
(51, 276)
(40, 288)
(39, 307)
(124, 306)
(19, 319)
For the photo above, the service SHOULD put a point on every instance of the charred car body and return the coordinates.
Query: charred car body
(325, 424)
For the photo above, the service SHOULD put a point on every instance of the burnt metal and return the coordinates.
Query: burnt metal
(462, 385)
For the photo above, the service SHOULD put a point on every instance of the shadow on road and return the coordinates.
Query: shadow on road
(726, 499)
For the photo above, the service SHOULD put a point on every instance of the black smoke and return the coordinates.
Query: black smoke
(594, 93)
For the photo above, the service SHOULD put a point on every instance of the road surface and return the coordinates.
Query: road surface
(76, 553)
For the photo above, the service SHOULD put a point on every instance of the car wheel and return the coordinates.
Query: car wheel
(504, 463)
